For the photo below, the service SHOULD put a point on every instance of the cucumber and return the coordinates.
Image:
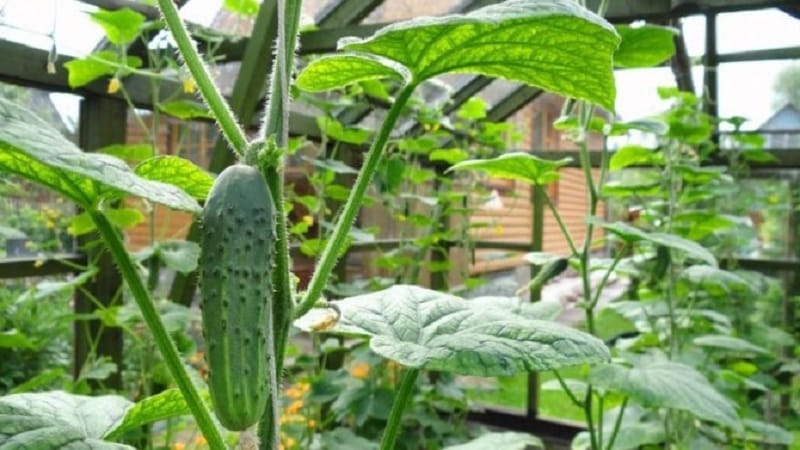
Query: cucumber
(236, 260)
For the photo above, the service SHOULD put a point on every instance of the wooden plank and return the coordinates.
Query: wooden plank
(345, 12)
(21, 267)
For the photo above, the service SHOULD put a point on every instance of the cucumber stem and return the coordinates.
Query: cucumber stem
(162, 339)
(336, 243)
(396, 415)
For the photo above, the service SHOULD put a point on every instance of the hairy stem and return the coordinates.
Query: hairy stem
(162, 339)
(336, 242)
(276, 125)
(216, 103)
(396, 415)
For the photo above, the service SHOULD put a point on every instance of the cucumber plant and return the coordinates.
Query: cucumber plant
(519, 40)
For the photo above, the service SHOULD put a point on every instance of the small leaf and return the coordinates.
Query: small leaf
(337, 131)
(715, 280)
(506, 440)
(472, 109)
(630, 155)
(55, 420)
(449, 155)
(670, 385)
(335, 71)
(517, 166)
(14, 338)
(553, 44)
(729, 343)
(162, 406)
(181, 256)
(178, 172)
(632, 234)
(334, 165)
(121, 26)
(420, 328)
(341, 438)
(243, 7)
(99, 64)
(185, 110)
(33, 149)
(644, 46)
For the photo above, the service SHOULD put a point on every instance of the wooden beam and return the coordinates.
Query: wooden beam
(150, 12)
(345, 12)
(21, 267)
(512, 103)
(103, 121)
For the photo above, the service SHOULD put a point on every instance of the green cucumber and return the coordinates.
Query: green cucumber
(235, 266)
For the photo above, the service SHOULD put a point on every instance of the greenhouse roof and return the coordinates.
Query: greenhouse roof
(31, 35)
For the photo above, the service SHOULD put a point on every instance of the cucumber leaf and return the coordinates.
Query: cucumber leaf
(33, 149)
(421, 328)
(517, 166)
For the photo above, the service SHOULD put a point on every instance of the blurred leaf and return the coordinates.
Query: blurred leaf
(472, 109)
(632, 235)
(121, 26)
(630, 155)
(449, 155)
(185, 110)
(337, 131)
(122, 218)
(729, 343)
(103, 63)
(14, 338)
(243, 7)
(644, 46)
(517, 166)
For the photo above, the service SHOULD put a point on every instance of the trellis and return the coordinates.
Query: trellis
(103, 122)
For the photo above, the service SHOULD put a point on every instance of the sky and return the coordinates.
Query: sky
(746, 89)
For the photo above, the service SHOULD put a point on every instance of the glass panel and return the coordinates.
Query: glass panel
(769, 28)
(36, 23)
(758, 92)
(637, 96)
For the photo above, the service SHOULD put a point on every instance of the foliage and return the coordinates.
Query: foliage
(687, 357)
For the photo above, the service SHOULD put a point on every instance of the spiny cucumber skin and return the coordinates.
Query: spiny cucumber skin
(235, 265)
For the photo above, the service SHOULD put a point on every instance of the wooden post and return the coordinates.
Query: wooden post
(537, 237)
(103, 122)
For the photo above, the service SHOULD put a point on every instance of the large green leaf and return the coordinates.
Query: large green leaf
(632, 234)
(421, 328)
(644, 46)
(58, 420)
(164, 405)
(554, 44)
(178, 172)
(506, 440)
(517, 166)
(670, 385)
(33, 149)
(332, 71)
(181, 256)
